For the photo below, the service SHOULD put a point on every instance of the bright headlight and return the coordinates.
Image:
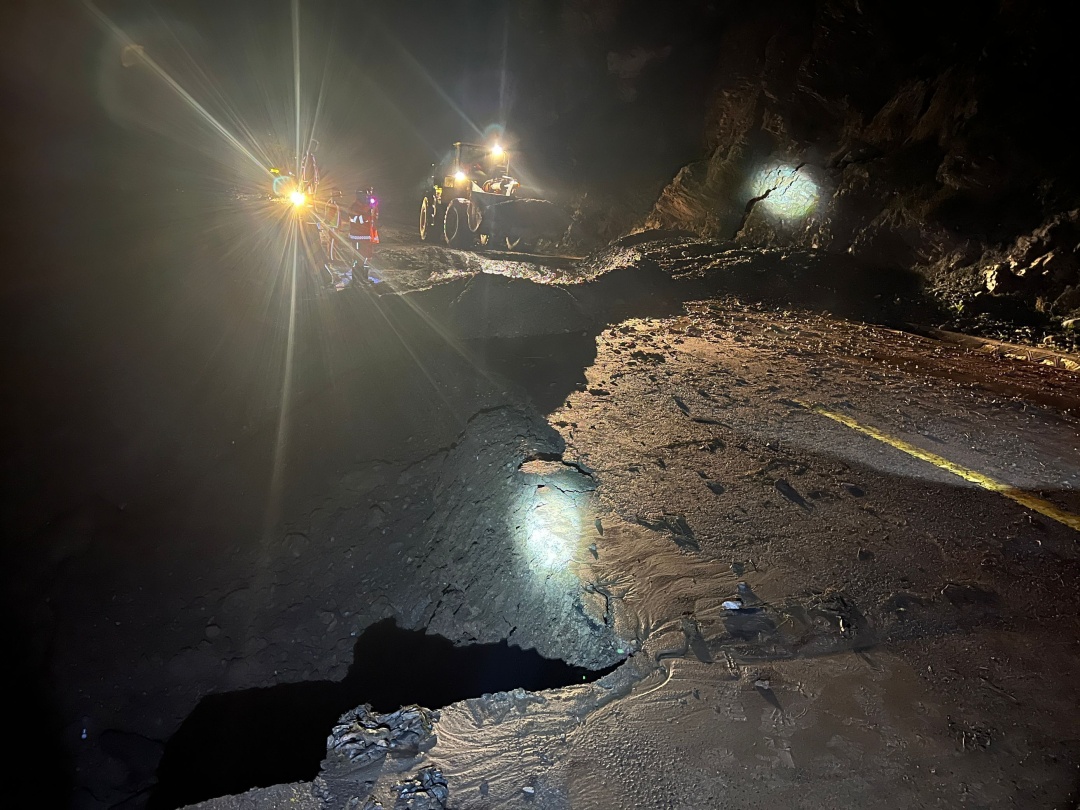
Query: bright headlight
(459, 176)
(297, 198)
(496, 151)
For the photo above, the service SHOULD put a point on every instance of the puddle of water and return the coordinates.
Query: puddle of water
(252, 738)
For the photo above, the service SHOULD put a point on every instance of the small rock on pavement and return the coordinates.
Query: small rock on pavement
(212, 631)
(789, 492)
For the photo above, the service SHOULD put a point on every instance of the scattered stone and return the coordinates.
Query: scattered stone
(599, 527)
(865, 555)
(715, 487)
(853, 490)
(747, 595)
(788, 491)
(212, 631)
(705, 420)
(682, 406)
(365, 737)
(593, 551)
(675, 525)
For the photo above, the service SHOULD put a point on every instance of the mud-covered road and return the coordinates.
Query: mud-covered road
(836, 563)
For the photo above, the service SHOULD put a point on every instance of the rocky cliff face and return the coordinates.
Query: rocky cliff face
(905, 135)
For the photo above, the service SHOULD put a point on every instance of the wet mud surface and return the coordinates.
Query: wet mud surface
(628, 469)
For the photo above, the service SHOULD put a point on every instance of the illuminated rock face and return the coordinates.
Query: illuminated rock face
(786, 192)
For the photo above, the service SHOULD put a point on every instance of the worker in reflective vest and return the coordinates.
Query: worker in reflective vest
(363, 223)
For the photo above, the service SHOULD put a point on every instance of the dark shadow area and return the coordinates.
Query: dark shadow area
(815, 280)
(33, 720)
(548, 367)
(237, 741)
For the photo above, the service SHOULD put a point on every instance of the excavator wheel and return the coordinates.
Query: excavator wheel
(430, 227)
(456, 225)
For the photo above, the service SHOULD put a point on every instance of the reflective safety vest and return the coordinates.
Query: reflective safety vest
(362, 222)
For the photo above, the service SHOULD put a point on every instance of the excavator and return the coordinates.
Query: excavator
(472, 199)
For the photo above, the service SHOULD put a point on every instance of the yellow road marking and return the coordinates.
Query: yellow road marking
(1033, 502)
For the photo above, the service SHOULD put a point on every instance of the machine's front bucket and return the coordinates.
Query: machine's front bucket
(524, 219)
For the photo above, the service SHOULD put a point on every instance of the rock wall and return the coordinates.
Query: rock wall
(905, 135)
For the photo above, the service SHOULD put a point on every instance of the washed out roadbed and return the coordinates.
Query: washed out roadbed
(812, 613)
(829, 562)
